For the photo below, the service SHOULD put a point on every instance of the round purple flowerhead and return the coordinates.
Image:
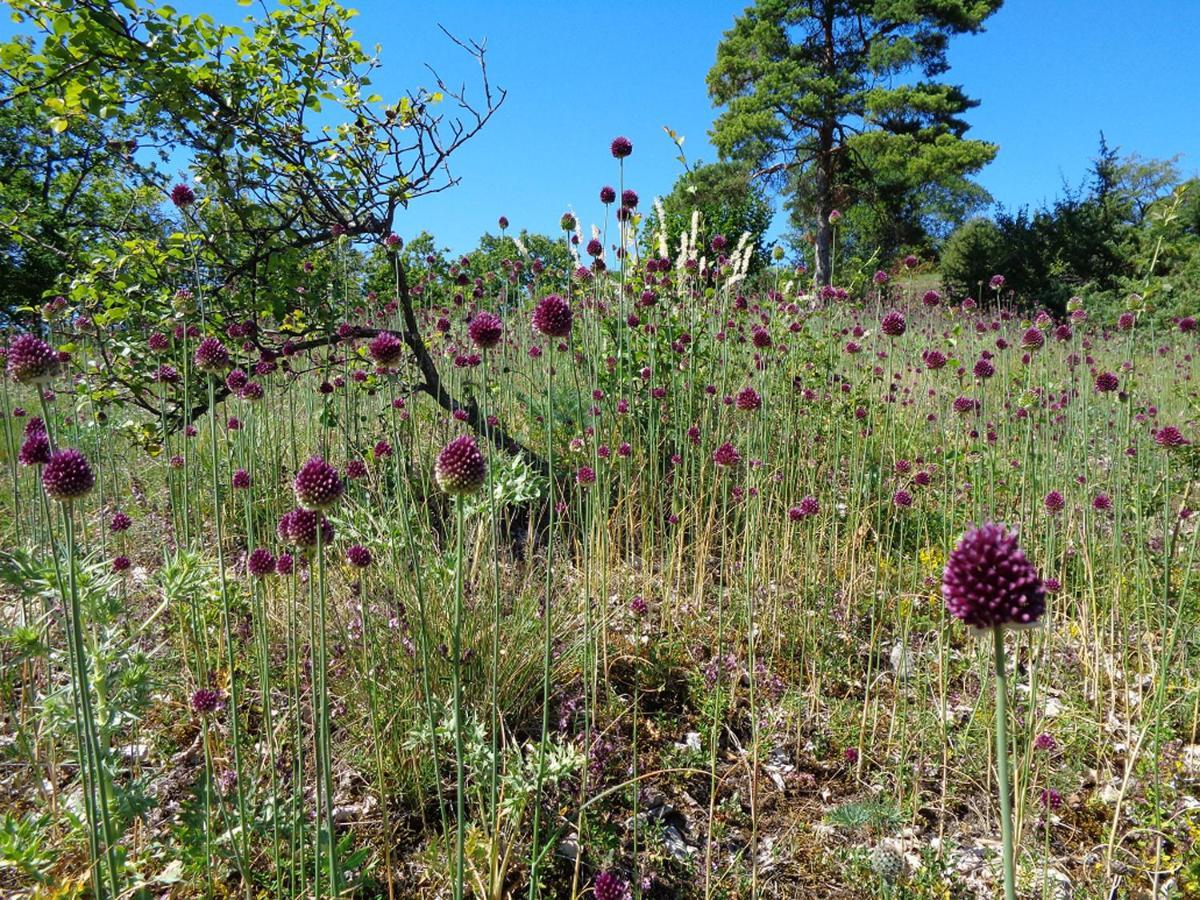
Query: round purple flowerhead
(611, 886)
(1054, 502)
(552, 317)
(260, 563)
(358, 556)
(607, 195)
(206, 701)
(317, 484)
(285, 565)
(1169, 437)
(748, 400)
(182, 195)
(119, 522)
(240, 479)
(31, 360)
(386, 349)
(211, 356)
(1106, 382)
(1033, 339)
(35, 450)
(67, 476)
(460, 467)
(726, 455)
(621, 147)
(988, 582)
(893, 324)
(299, 528)
(485, 330)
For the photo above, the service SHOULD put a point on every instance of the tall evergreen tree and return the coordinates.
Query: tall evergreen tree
(827, 97)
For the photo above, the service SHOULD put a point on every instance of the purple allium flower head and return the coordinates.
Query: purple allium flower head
(621, 147)
(358, 556)
(607, 195)
(119, 522)
(748, 400)
(252, 392)
(31, 360)
(121, 564)
(629, 199)
(299, 528)
(236, 380)
(996, 282)
(1033, 339)
(638, 605)
(385, 348)
(726, 455)
(1169, 437)
(1102, 502)
(356, 469)
(502, 222)
(611, 886)
(241, 479)
(211, 356)
(158, 342)
(206, 700)
(182, 196)
(585, 475)
(317, 484)
(67, 476)
(931, 298)
(1054, 502)
(460, 467)
(552, 317)
(382, 449)
(934, 359)
(35, 450)
(984, 368)
(285, 564)
(260, 563)
(911, 262)
(1044, 742)
(176, 462)
(893, 324)
(902, 499)
(1125, 321)
(485, 330)
(1106, 382)
(880, 277)
(1187, 324)
(988, 582)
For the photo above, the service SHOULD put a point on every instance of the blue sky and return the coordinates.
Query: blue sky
(1050, 75)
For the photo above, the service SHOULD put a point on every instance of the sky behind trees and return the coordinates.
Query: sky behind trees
(1050, 77)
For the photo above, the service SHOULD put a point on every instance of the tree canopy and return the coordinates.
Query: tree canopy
(837, 102)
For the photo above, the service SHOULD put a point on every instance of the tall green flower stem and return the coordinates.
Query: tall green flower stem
(548, 646)
(460, 817)
(242, 844)
(1006, 829)
(324, 752)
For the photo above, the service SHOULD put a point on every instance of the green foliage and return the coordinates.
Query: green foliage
(805, 104)
(1132, 228)
(730, 203)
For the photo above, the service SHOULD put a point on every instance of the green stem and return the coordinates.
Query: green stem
(1010, 889)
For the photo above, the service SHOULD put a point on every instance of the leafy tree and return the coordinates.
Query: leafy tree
(730, 204)
(292, 157)
(815, 100)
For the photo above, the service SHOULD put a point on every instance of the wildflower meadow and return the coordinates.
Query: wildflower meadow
(632, 563)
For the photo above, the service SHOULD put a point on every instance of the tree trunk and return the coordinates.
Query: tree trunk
(822, 250)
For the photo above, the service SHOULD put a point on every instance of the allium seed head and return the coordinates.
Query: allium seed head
(485, 330)
(460, 467)
(988, 582)
(260, 563)
(386, 349)
(621, 147)
(31, 360)
(553, 316)
(317, 484)
(211, 356)
(67, 476)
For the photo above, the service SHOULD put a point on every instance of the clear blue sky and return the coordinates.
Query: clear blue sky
(1050, 75)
